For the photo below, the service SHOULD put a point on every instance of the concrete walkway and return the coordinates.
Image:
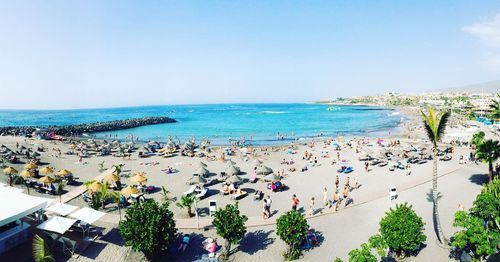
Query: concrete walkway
(257, 221)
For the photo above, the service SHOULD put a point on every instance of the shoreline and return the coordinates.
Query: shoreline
(396, 129)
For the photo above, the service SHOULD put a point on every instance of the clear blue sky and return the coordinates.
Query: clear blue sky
(74, 54)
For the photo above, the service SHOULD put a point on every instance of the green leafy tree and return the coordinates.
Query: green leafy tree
(487, 207)
(474, 236)
(186, 202)
(435, 125)
(292, 228)
(41, 252)
(401, 230)
(488, 152)
(165, 194)
(492, 187)
(148, 228)
(104, 194)
(495, 107)
(478, 138)
(363, 254)
(230, 225)
(338, 260)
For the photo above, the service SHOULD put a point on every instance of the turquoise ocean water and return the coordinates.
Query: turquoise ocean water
(259, 123)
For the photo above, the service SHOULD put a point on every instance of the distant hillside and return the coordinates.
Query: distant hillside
(487, 87)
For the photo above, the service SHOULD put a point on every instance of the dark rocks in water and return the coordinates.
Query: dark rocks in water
(74, 130)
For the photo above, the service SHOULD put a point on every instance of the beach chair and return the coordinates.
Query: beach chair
(68, 245)
(392, 193)
(240, 195)
(202, 193)
(190, 190)
(212, 207)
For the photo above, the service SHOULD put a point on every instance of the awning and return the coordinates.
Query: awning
(57, 224)
(15, 205)
(61, 209)
(87, 215)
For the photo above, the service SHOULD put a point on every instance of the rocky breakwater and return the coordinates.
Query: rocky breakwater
(75, 130)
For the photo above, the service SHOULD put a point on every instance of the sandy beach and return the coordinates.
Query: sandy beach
(342, 230)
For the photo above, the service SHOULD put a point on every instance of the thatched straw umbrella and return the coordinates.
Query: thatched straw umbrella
(63, 173)
(196, 180)
(256, 162)
(264, 170)
(129, 190)
(201, 164)
(232, 170)
(30, 166)
(27, 173)
(272, 177)
(202, 171)
(236, 179)
(10, 170)
(111, 178)
(94, 187)
(46, 170)
(47, 180)
(139, 178)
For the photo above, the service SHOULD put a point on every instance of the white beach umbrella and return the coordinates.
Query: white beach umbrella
(62, 209)
(57, 224)
(87, 215)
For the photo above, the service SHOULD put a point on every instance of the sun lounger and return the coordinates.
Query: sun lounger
(240, 195)
(190, 190)
(212, 207)
(202, 194)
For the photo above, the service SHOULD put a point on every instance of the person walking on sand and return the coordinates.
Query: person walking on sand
(408, 170)
(356, 183)
(326, 202)
(311, 207)
(264, 210)
(346, 197)
(268, 205)
(295, 202)
(337, 182)
(336, 200)
(366, 166)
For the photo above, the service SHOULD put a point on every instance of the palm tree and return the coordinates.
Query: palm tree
(495, 107)
(488, 152)
(116, 196)
(105, 194)
(101, 166)
(186, 202)
(41, 252)
(118, 169)
(435, 125)
(21, 180)
(165, 194)
(478, 138)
